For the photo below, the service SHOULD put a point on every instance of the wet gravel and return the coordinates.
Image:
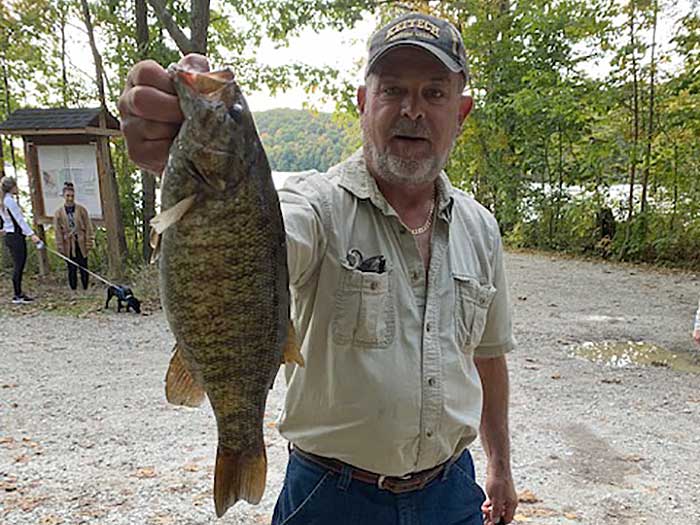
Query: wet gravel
(87, 437)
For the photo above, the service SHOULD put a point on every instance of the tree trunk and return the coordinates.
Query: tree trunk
(675, 186)
(560, 177)
(635, 122)
(141, 12)
(63, 12)
(199, 26)
(8, 110)
(111, 206)
(650, 123)
(635, 137)
(148, 181)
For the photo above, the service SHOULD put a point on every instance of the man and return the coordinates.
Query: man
(399, 296)
(74, 236)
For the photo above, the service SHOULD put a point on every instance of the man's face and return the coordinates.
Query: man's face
(411, 112)
(69, 197)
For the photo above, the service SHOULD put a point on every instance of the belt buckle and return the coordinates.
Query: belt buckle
(382, 478)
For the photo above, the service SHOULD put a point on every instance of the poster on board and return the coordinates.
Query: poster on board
(76, 164)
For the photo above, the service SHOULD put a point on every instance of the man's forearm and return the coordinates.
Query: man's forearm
(495, 436)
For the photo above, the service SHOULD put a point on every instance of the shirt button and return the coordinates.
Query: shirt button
(427, 327)
(402, 230)
(373, 286)
(429, 433)
(431, 381)
(414, 276)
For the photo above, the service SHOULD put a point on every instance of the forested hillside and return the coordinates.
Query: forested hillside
(297, 140)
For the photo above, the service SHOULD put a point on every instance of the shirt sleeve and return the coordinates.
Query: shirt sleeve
(498, 334)
(13, 208)
(697, 318)
(306, 241)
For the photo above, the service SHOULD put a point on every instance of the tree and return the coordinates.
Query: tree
(148, 180)
(113, 215)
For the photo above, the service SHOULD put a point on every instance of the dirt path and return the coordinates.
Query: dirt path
(87, 437)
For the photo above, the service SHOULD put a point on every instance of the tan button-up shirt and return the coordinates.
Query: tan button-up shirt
(390, 384)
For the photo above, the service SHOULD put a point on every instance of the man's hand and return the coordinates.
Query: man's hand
(696, 336)
(501, 499)
(150, 111)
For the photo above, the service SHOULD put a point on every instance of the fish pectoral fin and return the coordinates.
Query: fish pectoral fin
(154, 241)
(291, 352)
(181, 388)
(238, 475)
(167, 218)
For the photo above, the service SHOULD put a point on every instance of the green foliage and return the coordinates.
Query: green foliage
(297, 140)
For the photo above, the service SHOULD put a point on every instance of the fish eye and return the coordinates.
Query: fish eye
(236, 113)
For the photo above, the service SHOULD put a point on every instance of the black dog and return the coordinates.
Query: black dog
(123, 294)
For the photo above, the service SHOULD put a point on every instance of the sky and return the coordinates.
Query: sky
(327, 48)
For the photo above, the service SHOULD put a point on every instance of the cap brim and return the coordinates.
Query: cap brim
(447, 61)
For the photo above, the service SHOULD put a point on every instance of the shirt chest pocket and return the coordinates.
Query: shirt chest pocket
(472, 301)
(364, 312)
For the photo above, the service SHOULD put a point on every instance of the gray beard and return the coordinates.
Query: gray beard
(399, 170)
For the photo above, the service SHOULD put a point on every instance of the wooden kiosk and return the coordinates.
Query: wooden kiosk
(63, 145)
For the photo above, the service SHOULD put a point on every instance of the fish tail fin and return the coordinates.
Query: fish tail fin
(238, 475)
(180, 387)
(291, 352)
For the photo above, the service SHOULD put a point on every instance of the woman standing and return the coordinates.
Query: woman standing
(16, 229)
(74, 236)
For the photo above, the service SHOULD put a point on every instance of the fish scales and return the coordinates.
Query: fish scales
(223, 274)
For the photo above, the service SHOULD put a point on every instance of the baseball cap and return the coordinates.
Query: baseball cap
(437, 36)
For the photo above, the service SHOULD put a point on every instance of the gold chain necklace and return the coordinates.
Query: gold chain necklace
(429, 221)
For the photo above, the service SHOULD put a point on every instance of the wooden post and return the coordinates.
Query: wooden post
(32, 161)
(111, 209)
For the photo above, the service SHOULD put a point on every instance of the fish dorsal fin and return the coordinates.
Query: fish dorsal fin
(167, 218)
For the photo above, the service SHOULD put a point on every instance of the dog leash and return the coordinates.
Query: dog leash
(42, 246)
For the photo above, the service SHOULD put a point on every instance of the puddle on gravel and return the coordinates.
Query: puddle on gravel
(632, 354)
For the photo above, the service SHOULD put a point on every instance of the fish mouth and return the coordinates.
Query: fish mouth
(205, 83)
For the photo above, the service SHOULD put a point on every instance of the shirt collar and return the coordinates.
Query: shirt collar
(355, 177)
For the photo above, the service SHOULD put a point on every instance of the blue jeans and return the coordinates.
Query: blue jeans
(312, 495)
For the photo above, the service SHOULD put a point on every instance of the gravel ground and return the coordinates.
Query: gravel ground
(87, 437)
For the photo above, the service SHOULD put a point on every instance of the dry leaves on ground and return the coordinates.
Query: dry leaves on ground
(527, 496)
(145, 472)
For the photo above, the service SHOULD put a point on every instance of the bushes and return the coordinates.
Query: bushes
(584, 227)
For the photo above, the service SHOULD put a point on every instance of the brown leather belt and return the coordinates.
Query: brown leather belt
(396, 485)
